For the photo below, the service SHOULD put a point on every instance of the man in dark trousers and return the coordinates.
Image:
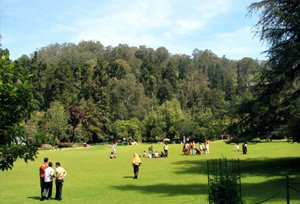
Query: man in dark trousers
(42, 169)
(60, 177)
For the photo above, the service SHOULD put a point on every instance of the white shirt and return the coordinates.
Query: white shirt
(166, 147)
(49, 172)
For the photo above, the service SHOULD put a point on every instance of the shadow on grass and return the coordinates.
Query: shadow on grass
(274, 169)
(258, 192)
(34, 197)
(128, 177)
(255, 167)
(167, 189)
(253, 192)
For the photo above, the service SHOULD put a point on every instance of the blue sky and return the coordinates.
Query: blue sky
(179, 25)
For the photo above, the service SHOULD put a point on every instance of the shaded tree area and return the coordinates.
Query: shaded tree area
(273, 112)
(16, 104)
(136, 93)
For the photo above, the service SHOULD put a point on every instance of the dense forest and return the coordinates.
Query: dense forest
(88, 92)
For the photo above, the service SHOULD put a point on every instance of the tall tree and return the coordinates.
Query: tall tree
(128, 99)
(101, 97)
(16, 104)
(274, 112)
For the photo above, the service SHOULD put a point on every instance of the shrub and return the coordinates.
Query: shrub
(224, 191)
(65, 145)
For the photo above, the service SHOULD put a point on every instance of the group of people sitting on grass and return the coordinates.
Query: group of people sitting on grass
(151, 153)
(192, 148)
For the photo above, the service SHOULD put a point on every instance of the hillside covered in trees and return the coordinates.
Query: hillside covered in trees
(88, 92)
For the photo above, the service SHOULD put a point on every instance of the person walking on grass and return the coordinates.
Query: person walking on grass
(136, 162)
(114, 148)
(42, 169)
(49, 173)
(60, 175)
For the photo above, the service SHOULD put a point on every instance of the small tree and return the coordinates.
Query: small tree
(56, 124)
(75, 117)
(129, 129)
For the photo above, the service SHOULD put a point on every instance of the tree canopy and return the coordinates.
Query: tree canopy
(274, 112)
(16, 104)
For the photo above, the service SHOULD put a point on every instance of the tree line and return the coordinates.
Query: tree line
(88, 92)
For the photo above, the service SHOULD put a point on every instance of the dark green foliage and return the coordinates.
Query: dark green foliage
(65, 145)
(224, 184)
(224, 191)
(16, 104)
(272, 113)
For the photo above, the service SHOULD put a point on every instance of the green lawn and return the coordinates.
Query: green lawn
(94, 178)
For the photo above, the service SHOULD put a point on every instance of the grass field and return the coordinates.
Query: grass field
(94, 178)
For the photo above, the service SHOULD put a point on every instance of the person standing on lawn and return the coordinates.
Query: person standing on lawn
(49, 173)
(42, 169)
(60, 175)
(136, 162)
(166, 149)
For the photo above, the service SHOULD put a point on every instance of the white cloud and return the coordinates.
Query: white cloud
(149, 22)
(179, 25)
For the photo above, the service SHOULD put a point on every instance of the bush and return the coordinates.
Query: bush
(224, 185)
(65, 145)
(46, 147)
(224, 191)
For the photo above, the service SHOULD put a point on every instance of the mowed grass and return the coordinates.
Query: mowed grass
(94, 178)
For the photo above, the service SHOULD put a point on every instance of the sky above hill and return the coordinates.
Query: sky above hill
(181, 26)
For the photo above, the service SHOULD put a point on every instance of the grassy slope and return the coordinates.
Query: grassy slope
(93, 178)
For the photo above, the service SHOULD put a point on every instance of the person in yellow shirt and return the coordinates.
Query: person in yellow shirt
(60, 175)
(136, 162)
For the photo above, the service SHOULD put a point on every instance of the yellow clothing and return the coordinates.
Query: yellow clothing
(60, 173)
(136, 159)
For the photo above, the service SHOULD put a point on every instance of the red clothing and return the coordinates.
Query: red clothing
(42, 169)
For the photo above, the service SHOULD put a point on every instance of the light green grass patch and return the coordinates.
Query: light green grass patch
(94, 178)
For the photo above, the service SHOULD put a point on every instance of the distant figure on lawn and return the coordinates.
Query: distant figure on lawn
(237, 147)
(42, 169)
(145, 154)
(192, 147)
(166, 149)
(155, 155)
(136, 162)
(186, 149)
(60, 175)
(245, 148)
(49, 173)
(150, 150)
(207, 147)
(198, 152)
(114, 148)
(112, 156)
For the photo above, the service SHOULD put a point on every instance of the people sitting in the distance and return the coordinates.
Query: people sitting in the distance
(155, 155)
(86, 144)
(112, 156)
(198, 152)
(186, 149)
(145, 154)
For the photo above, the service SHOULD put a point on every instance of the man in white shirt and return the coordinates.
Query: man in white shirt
(49, 173)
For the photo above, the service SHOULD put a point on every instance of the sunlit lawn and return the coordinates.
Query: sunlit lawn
(94, 178)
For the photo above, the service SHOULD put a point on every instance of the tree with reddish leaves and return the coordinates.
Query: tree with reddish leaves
(76, 115)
